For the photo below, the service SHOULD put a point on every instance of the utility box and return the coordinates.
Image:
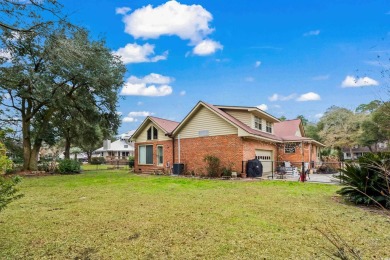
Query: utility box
(178, 168)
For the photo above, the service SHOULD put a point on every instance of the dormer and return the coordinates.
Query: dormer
(253, 117)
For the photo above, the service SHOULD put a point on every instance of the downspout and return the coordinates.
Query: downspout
(178, 144)
(173, 150)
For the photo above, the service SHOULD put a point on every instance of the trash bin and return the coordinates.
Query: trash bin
(178, 168)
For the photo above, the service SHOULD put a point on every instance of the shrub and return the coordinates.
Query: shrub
(67, 166)
(213, 165)
(367, 183)
(227, 170)
(131, 161)
(97, 160)
(8, 191)
(43, 166)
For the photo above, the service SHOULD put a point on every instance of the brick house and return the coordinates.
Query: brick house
(235, 134)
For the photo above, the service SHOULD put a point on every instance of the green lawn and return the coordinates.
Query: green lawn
(91, 167)
(117, 215)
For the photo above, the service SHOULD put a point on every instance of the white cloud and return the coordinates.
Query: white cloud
(153, 85)
(263, 107)
(277, 97)
(189, 22)
(312, 33)
(129, 119)
(152, 78)
(6, 96)
(144, 90)
(249, 79)
(320, 77)
(310, 96)
(182, 93)
(119, 113)
(207, 47)
(134, 53)
(140, 103)
(352, 82)
(319, 115)
(257, 64)
(132, 116)
(122, 10)
(140, 114)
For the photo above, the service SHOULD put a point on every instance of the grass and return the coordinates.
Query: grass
(117, 215)
(91, 167)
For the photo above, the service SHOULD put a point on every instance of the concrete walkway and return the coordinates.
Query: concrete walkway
(314, 178)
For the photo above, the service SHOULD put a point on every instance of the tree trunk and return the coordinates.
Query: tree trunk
(67, 148)
(89, 156)
(26, 144)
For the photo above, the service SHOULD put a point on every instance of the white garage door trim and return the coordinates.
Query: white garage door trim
(265, 157)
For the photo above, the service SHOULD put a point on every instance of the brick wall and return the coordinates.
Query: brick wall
(298, 156)
(228, 148)
(167, 158)
(250, 146)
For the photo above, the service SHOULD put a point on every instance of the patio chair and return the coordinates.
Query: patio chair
(280, 172)
(291, 170)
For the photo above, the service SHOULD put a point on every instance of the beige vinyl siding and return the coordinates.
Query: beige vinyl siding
(206, 120)
(243, 116)
(142, 137)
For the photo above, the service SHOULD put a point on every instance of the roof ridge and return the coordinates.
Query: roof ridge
(164, 119)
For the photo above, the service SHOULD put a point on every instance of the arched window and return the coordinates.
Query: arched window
(152, 133)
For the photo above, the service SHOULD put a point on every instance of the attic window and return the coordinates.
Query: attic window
(258, 123)
(152, 132)
(126, 146)
(268, 128)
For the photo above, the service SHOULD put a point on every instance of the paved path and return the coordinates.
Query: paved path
(315, 178)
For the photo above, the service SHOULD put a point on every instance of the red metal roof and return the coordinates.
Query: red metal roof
(167, 125)
(287, 128)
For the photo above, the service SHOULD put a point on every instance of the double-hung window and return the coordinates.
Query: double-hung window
(258, 123)
(268, 127)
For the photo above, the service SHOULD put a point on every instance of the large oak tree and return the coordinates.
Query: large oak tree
(52, 70)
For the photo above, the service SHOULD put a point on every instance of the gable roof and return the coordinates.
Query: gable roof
(228, 118)
(288, 127)
(166, 125)
(254, 110)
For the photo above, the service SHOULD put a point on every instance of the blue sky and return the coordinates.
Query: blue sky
(289, 57)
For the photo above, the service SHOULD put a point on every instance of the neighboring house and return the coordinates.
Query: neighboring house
(233, 134)
(358, 151)
(119, 149)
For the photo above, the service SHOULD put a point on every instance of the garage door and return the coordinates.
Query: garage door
(265, 158)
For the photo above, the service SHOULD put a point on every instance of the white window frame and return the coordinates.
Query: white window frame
(259, 123)
(144, 162)
(162, 155)
(268, 127)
